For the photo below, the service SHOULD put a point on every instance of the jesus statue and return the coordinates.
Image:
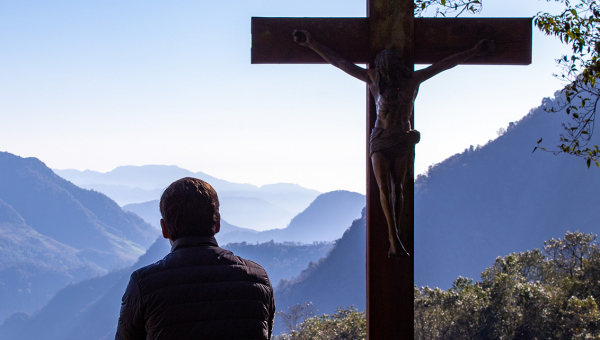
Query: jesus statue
(394, 88)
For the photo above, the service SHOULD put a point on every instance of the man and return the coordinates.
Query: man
(197, 291)
(394, 88)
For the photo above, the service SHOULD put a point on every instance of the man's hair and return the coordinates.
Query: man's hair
(189, 207)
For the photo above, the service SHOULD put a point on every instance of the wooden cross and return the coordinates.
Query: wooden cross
(391, 24)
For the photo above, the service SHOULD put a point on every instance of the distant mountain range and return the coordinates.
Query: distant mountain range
(54, 233)
(261, 208)
(325, 219)
(90, 309)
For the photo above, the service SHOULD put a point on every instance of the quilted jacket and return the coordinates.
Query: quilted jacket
(198, 291)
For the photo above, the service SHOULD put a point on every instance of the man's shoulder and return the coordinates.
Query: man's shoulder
(256, 267)
(208, 257)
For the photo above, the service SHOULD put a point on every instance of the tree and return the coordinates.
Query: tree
(540, 294)
(344, 324)
(295, 314)
(577, 25)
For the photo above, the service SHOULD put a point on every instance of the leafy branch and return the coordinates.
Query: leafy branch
(447, 7)
(578, 25)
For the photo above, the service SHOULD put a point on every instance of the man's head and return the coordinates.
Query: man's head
(189, 207)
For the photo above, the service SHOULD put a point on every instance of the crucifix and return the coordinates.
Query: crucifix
(390, 25)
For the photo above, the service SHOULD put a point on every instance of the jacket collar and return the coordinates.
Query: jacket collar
(194, 241)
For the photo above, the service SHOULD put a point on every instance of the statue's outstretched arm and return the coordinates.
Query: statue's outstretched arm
(304, 38)
(483, 47)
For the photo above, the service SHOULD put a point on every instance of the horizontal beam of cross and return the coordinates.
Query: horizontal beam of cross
(435, 39)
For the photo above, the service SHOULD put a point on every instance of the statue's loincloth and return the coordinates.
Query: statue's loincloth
(392, 142)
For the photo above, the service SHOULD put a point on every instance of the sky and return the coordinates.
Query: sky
(100, 84)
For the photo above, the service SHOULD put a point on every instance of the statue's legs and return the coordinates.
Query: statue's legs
(390, 195)
(398, 176)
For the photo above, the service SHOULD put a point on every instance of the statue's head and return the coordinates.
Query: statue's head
(189, 207)
(390, 66)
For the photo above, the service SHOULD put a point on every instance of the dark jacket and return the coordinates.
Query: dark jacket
(198, 291)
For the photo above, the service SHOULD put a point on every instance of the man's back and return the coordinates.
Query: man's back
(198, 291)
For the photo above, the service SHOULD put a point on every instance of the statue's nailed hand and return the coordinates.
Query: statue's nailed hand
(302, 37)
(485, 46)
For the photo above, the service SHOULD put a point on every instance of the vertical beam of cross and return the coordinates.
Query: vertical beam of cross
(390, 293)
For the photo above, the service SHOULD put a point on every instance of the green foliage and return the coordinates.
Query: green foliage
(344, 324)
(579, 26)
(445, 7)
(549, 294)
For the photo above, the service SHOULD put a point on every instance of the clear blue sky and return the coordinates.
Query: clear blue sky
(98, 84)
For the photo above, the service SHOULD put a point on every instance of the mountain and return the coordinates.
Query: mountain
(291, 197)
(90, 309)
(85, 310)
(251, 212)
(270, 206)
(254, 213)
(123, 194)
(500, 198)
(281, 260)
(136, 184)
(86, 220)
(54, 233)
(325, 219)
(33, 267)
(338, 280)
(147, 177)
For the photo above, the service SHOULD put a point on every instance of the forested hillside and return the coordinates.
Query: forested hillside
(336, 281)
(500, 198)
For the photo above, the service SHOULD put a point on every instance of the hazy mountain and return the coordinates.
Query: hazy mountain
(336, 281)
(33, 267)
(261, 208)
(90, 309)
(291, 197)
(325, 219)
(84, 220)
(123, 194)
(146, 177)
(254, 213)
(251, 212)
(281, 260)
(500, 198)
(54, 233)
(86, 310)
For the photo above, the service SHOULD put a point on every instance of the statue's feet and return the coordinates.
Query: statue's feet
(398, 252)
